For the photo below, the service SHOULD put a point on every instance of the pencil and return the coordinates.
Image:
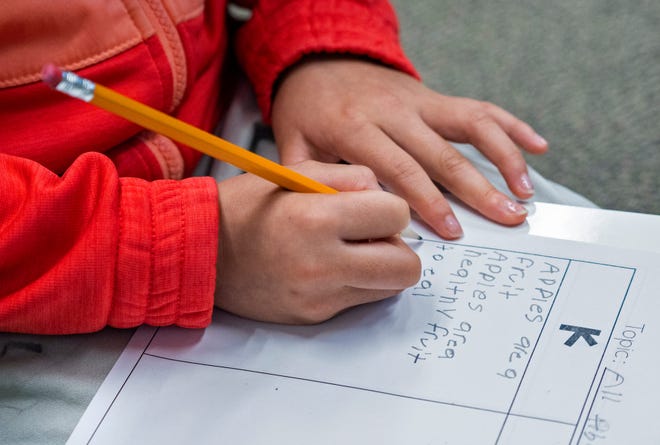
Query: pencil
(78, 87)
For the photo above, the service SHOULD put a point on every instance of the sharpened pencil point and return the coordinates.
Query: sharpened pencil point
(51, 75)
(411, 234)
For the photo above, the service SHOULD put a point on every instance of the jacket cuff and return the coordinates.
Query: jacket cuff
(166, 253)
(273, 40)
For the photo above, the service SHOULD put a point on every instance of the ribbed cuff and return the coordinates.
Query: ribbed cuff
(275, 39)
(166, 254)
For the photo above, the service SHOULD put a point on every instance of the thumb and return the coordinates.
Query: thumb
(298, 149)
(294, 152)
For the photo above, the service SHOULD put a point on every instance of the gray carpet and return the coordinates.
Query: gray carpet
(584, 73)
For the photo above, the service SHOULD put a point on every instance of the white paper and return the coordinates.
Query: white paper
(475, 353)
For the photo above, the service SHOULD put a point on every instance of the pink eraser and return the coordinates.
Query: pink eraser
(51, 75)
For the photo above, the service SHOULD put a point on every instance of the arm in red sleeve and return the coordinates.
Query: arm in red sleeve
(90, 249)
(281, 32)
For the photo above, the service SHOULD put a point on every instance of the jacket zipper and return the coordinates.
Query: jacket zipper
(168, 35)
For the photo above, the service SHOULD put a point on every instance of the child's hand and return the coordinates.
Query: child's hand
(332, 108)
(303, 257)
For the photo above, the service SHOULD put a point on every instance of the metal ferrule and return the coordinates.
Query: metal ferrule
(76, 86)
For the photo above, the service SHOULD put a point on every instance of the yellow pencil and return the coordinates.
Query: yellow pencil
(207, 143)
(152, 119)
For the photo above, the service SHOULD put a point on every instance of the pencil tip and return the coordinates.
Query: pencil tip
(411, 234)
(51, 75)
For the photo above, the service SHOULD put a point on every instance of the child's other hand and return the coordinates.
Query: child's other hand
(303, 257)
(330, 108)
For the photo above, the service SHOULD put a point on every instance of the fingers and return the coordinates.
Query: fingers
(382, 264)
(352, 253)
(494, 131)
(368, 215)
(520, 132)
(400, 128)
(496, 145)
(368, 253)
(371, 271)
(284, 256)
(454, 118)
(446, 165)
(403, 175)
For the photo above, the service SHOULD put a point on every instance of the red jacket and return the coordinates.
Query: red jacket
(97, 226)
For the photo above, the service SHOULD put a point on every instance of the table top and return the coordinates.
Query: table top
(613, 228)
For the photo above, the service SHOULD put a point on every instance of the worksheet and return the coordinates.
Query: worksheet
(507, 338)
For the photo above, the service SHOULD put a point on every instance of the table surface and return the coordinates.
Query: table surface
(613, 228)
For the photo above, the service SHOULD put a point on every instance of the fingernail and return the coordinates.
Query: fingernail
(526, 183)
(514, 207)
(452, 226)
(539, 139)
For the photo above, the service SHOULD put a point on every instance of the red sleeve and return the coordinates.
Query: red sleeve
(281, 32)
(90, 249)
